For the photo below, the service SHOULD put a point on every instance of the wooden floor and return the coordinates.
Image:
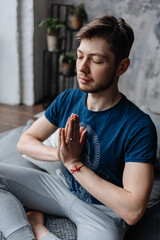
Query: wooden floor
(15, 116)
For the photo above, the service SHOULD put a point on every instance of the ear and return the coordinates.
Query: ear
(123, 66)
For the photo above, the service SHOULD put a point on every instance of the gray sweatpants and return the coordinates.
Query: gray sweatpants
(49, 193)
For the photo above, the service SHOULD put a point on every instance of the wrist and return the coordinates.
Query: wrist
(71, 165)
(53, 153)
(76, 169)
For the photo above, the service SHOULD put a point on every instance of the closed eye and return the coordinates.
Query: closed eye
(97, 60)
(93, 57)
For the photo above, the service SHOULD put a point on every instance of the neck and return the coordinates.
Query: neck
(103, 100)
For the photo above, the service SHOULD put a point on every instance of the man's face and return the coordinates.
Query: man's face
(95, 65)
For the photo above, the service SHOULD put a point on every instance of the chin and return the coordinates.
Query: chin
(87, 90)
(84, 88)
(90, 89)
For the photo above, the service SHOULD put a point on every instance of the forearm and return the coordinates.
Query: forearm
(121, 201)
(36, 149)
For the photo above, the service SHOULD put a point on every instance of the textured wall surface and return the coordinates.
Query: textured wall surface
(141, 83)
(16, 49)
(25, 15)
(9, 66)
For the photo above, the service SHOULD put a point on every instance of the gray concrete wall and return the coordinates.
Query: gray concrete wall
(141, 83)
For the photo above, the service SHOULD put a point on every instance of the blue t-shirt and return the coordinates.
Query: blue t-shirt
(117, 135)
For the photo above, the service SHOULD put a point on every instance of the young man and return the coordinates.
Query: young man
(106, 144)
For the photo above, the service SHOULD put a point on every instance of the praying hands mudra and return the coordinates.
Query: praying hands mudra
(71, 143)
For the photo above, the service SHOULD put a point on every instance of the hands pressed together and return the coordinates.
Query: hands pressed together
(71, 142)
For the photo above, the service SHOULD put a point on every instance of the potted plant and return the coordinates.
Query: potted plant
(52, 26)
(76, 16)
(67, 61)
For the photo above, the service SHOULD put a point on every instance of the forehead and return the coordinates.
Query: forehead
(95, 44)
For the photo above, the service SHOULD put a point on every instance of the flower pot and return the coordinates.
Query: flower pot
(53, 43)
(67, 68)
(75, 22)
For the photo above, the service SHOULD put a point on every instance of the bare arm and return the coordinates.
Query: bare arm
(128, 202)
(30, 143)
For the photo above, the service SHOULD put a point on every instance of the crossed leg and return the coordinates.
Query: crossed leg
(47, 193)
(36, 190)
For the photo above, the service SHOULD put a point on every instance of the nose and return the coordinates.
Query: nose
(83, 66)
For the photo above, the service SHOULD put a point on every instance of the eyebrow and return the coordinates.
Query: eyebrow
(93, 54)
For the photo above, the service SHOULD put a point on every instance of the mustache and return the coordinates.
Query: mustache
(80, 75)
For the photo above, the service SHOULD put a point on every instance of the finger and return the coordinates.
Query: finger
(66, 127)
(67, 124)
(63, 136)
(83, 137)
(70, 129)
(76, 127)
(81, 130)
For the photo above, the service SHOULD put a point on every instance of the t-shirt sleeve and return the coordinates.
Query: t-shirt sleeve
(53, 111)
(141, 145)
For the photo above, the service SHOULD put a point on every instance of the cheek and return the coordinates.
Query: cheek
(99, 72)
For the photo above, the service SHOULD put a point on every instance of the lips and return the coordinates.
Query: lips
(84, 80)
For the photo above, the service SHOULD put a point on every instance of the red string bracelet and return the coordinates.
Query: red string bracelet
(76, 169)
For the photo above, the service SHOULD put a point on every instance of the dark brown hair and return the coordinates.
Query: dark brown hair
(117, 33)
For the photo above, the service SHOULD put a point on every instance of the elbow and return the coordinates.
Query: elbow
(20, 145)
(134, 216)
